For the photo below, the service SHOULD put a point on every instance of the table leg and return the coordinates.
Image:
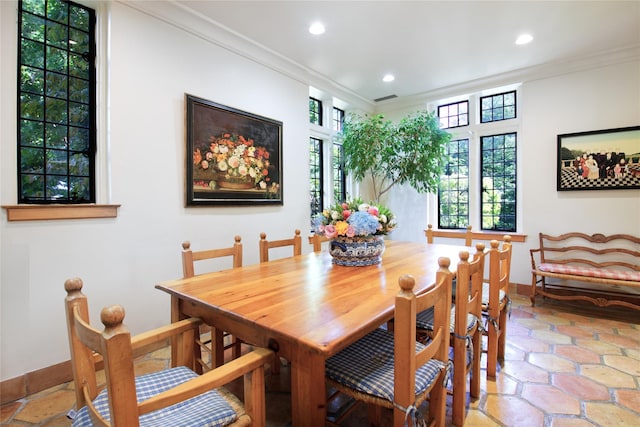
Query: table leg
(308, 390)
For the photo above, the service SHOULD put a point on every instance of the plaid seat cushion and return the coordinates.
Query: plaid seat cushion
(485, 295)
(602, 273)
(367, 366)
(206, 410)
(424, 320)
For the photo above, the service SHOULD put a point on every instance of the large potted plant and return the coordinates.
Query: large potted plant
(411, 151)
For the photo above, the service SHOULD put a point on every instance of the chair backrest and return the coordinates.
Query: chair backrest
(189, 257)
(265, 245)
(499, 273)
(451, 234)
(468, 297)
(407, 305)
(316, 241)
(115, 350)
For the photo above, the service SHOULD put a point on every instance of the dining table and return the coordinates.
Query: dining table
(306, 308)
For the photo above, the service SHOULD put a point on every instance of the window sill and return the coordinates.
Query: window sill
(55, 212)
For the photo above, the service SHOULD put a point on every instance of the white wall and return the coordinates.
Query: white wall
(152, 65)
(604, 97)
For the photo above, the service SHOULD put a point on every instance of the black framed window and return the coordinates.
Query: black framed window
(453, 115)
(339, 178)
(499, 187)
(453, 189)
(56, 102)
(315, 111)
(498, 107)
(315, 175)
(338, 119)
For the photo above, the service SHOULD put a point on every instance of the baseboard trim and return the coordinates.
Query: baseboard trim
(34, 382)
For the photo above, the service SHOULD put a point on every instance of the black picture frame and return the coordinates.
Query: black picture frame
(233, 157)
(607, 159)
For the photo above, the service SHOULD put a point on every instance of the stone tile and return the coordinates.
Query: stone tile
(551, 362)
(608, 376)
(519, 313)
(575, 331)
(619, 340)
(623, 363)
(610, 415)
(577, 354)
(501, 385)
(553, 400)
(526, 372)
(8, 410)
(563, 421)
(516, 329)
(551, 337)
(581, 387)
(632, 353)
(598, 347)
(47, 406)
(628, 398)
(553, 319)
(477, 418)
(528, 344)
(513, 411)
(533, 324)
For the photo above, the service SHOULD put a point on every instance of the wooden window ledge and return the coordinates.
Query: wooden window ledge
(54, 212)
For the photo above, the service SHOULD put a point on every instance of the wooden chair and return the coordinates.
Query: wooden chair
(431, 233)
(128, 401)
(466, 330)
(496, 302)
(266, 245)
(366, 370)
(316, 240)
(215, 345)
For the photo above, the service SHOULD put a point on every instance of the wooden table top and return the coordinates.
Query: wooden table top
(308, 300)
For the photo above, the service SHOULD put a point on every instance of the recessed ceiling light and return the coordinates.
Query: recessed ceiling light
(388, 78)
(316, 28)
(524, 39)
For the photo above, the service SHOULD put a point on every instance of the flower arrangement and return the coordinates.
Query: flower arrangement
(234, 158)
(354, 219)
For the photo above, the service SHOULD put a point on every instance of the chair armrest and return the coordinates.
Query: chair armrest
(533, 258)
(215, 378)
(154, 336)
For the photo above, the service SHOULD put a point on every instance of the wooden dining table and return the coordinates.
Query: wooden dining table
(306, 308)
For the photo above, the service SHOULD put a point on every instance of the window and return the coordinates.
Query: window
(454, 115)
(479, 184)
(56, 96)
(498, 182)
(327, 180)
(498, 107)
(315, 175)
(453, 191)
(315, 111)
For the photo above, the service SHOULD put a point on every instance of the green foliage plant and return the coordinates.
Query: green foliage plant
(409, 152)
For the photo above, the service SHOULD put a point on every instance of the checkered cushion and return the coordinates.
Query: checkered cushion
(206, 410)
(603, 273)
(424, 320)
(367, 366)
(485, 295)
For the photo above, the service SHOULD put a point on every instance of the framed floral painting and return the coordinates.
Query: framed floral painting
(233, 157)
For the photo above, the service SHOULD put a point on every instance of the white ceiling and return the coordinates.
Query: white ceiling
(427, 45)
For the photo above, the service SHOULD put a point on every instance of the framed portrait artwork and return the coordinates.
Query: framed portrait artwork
(606, 159)
(233, 157)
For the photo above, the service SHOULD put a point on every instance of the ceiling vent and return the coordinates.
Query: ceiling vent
(384, 98)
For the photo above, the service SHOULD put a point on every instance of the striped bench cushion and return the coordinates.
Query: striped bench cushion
(424, 320)
(602, 273)
(367, 366)
(206, 410)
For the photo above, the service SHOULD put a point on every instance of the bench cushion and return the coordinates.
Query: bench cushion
(633, 276)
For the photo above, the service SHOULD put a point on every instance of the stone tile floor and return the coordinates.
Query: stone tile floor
(566, 366)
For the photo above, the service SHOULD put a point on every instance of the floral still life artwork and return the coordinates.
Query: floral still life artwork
(234, 157)
(356, 230)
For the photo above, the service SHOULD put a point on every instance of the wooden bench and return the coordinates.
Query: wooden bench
(604, 270)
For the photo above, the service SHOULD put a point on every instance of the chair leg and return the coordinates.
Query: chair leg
(474, 387)
(437, 403)
(492, 351)
(217, 346)
(459, 380)
(502, 339)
